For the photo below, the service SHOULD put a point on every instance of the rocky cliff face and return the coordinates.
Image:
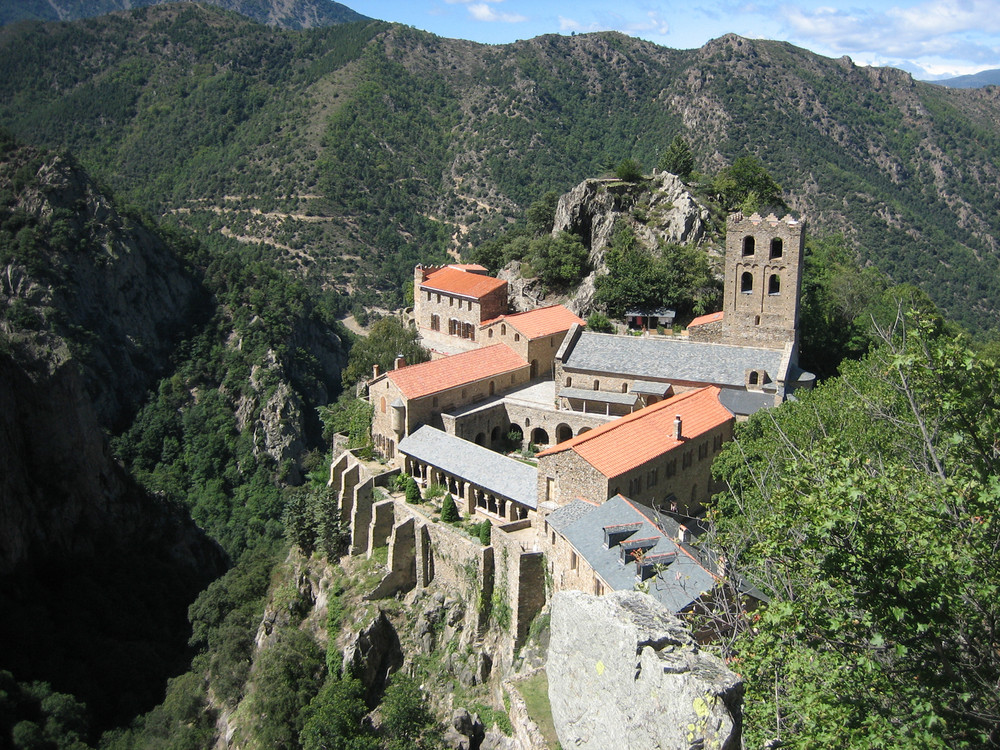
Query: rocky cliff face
(90, 304)
(659, 211)
(623, 672)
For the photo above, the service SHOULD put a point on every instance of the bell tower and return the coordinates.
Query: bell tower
(763, 280)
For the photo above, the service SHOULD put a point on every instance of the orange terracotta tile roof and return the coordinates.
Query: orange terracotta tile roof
(465, 283)
(710, 318)
(417, 381)
(624, 444)
(541, 322)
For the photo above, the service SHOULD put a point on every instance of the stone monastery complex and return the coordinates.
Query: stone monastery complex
(625, 427)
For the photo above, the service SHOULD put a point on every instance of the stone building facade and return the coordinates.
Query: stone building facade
(408, 397)
(451, 302)
(536, 335)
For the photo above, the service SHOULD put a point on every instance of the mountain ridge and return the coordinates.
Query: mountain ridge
(363, 148)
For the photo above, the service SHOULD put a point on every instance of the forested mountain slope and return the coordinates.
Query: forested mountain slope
(360, 148)
(288, 14)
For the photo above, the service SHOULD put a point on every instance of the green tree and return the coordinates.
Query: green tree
(868, 513)
(449, 511)
(747, 185)
(407, 721)
(678, 158)
(598, 323)
(386, 339)
(629, 170)
(541, 214)
(412, 491)
(334, 719)
(287, 676)
(558, 261)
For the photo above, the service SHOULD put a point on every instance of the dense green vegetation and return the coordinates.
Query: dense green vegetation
(867, 512)
(675, 277)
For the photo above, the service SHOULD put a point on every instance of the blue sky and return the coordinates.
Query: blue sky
(930, 39)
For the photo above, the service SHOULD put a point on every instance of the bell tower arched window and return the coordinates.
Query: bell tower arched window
(749, 245)
(777, 249)
(746, 282)
(774, 284)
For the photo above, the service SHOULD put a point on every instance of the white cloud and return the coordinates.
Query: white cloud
(954, 33)
(655, 25)
(483, 12)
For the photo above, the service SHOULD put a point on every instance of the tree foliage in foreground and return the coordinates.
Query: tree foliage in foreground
(867, 512)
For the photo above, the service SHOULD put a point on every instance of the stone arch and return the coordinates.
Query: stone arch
(749, 245)
(754, 378)
(746, 282)
(517, 434)
(481, 439)
(534, 368)
(539, 436)
(563, 432)
(583, 430)
(495, 435)
(774, 284)
(492, 387)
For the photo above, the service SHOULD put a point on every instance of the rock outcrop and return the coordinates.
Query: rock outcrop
(373, 656)
(624, 672)
(659, 210)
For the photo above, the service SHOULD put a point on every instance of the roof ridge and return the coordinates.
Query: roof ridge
(677, 544)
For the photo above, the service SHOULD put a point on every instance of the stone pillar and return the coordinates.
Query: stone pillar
(381, 525)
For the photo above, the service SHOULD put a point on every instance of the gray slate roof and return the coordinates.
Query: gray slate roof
(665, 358)
(605, 397)
(743, 403)
(566, 515)
(678, 585)
(495, 473)
(649, 388)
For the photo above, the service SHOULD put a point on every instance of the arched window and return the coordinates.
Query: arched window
(749, 245)
(597, 385)
(492, 387)
(777, 249)
(517, 337)
(569, 381)
(624, 387)
(503, 329)
(774, 284)
(754, 378)
(746, 282)
(491, 333)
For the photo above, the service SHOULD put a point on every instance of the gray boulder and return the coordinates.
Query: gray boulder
(624, 672)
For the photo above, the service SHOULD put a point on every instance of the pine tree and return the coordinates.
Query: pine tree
(449, 511)
(678, 159)
(412, 491)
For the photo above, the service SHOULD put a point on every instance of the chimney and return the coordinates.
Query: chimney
(683, 535)
(400, 362)
(677, 427)
(375, 371)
